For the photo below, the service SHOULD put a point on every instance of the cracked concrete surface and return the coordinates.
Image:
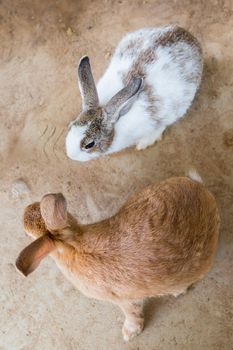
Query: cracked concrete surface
(41, 43)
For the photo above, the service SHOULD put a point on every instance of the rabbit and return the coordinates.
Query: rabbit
(159, 243)
(150, 83)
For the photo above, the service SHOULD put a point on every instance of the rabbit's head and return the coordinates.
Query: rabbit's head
(49, 223)
(92, 133)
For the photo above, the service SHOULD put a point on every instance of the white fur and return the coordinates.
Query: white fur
(168, 78)
(193, 174)
(73, 139)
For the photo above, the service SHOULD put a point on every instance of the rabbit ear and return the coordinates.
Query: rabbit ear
(31, 256)
(121, 103)
(87, 85)
(33, 222)
(53, 209)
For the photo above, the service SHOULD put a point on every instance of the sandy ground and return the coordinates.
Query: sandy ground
(41, 43)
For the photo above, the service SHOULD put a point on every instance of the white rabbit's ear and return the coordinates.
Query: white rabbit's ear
(87, 85)
(121, 103)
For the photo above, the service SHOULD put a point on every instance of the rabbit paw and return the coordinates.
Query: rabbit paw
(179, 292)
(142, 145)
(145, 142)
(131, 329)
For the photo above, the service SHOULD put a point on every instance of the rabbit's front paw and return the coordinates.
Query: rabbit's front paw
(148, 141)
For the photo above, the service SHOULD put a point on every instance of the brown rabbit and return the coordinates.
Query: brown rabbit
(160, 242)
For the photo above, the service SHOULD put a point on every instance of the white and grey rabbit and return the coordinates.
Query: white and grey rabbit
(150, 83)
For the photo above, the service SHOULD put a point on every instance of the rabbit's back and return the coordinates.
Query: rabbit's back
(178, 212)
(166, 237)
(170, 61)
(161, 241)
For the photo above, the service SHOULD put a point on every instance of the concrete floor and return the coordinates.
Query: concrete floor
(41, 43)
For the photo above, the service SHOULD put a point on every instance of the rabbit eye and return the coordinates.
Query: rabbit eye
(90, 145)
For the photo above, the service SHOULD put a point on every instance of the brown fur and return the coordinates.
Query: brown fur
(32, 220)
(148, 56)
(177, 34)
(100, 120)
(31, 256)
(87, 85)
(98, 130)
(53, 210)
(160, 242)
(138, 69)
(172, 36)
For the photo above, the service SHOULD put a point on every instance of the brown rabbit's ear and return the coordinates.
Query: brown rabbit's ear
(87, 85)
(31, 256)
(54, 211)
(121, 103)
(33, 222)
